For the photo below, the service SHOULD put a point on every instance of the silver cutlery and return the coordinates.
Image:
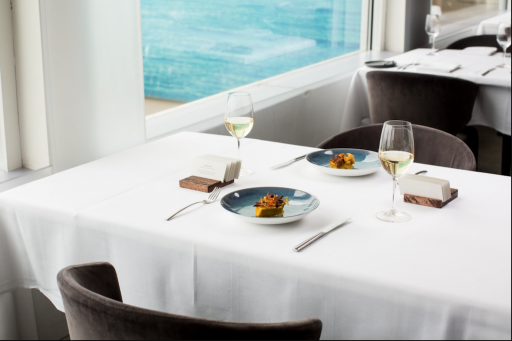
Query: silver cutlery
(211, 199)
(456, 69)
(326, 231)
(288, 162)
(403, 67)
(488, 71)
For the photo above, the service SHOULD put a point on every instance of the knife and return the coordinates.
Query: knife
(488, 71)
(326, 231)
(288, 162)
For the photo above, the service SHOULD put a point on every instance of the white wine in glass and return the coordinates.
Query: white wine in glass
(239, 127)
(396, 155)
(239, 120)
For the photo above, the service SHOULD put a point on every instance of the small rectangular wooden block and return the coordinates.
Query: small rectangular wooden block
(435, 203)
(202, 184)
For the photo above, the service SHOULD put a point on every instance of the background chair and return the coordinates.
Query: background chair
(432, 146)
(484, 40)
(443, 103)
(95, 311)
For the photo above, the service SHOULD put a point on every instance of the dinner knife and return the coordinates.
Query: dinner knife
(288, 162)
(326, 231)
(488, 71)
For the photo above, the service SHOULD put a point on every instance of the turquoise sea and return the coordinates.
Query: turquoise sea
(197, 48)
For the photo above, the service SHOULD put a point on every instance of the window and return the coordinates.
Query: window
(197, 48)
(452, 11)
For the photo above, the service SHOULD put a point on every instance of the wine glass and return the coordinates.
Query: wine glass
(503, 39)
(433, 28)
(396, 155)
(239, 120)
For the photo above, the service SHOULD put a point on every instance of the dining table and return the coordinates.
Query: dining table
(445, 274)
(490, 26)
(492, 106)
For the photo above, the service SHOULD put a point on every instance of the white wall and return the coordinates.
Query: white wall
(306, 119)
(10, 149)
(92, 52)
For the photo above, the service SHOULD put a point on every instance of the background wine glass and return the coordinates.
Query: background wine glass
(396, 155)
(503, 39)
(239, 120)
(433, 28)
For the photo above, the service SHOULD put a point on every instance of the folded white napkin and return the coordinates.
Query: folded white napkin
(438, 67)
(478, 51)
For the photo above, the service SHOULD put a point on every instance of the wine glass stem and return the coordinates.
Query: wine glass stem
(239, 154)
(395, 182)
(433, 44)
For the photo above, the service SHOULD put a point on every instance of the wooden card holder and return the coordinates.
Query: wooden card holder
(435, 203)
(202, 184)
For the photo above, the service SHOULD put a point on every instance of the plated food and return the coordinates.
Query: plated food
(342, 161)
(271, 205)
(345, 161)
(285, 206)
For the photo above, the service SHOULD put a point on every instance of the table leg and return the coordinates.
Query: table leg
(506, 155)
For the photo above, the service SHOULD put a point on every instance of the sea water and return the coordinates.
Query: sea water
(197, 48)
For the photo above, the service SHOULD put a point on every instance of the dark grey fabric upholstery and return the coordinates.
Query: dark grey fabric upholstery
(432, 146)
(443, 103)
(483, 40)
(95, 311)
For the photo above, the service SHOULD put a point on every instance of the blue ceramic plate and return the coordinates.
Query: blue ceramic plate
(367, 162)
(241, 204)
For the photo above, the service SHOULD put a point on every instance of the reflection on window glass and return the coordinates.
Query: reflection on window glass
(452, 11)
(197, 48)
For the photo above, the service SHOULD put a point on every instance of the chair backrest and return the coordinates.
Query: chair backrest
(443, 103)
(483, 40)
(95, 311)
(432, 146)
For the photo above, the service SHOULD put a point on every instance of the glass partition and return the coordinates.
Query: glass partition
(197, 48)
(451, 11)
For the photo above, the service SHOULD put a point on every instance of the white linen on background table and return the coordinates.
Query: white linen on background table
(492, 106)
(490, 26)
(446, 274)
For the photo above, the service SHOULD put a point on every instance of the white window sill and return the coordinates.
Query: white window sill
(208, 113)
(21, 176)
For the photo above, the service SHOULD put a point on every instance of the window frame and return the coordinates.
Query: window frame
(199, 113)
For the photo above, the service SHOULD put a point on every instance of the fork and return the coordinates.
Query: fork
(211, 199)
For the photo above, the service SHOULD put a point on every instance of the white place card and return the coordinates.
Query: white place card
(216, 168)
(210, 169)
(425, 186)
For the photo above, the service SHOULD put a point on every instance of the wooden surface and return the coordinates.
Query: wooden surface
(435, 203)
(202, 184)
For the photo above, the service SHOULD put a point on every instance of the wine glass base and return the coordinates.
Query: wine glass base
(246, 172)
(394, 216)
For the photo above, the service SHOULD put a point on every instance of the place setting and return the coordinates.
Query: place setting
(278, 205)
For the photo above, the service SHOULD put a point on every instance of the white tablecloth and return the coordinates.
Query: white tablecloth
(490, 26)
(445, 274)
(492, 107)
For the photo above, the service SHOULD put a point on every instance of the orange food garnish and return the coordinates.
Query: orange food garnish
(343, 161)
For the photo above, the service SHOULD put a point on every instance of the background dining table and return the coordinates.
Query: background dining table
(492, 107)
(446, 274)
(490, 26)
